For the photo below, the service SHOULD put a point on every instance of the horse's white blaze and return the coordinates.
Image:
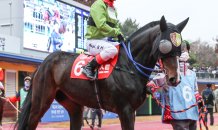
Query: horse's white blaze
(178, 71)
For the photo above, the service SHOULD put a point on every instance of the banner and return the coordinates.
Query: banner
(109, 115)
(55, 113)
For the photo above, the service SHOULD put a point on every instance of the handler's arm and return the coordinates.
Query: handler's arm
(197, 95)
(15, 98)
(158, 81)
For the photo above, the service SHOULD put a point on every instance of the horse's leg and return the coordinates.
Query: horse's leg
(126, 116)
(40, 104)
(75, 110)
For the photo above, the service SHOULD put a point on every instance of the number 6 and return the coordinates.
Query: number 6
(187, 92)
(79, 66)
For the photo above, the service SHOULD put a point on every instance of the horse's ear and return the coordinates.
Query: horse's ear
(163, 24)
(181, 25)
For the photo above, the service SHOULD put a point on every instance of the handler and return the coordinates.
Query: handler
(21, 95)
(102, 24)
(180, 97)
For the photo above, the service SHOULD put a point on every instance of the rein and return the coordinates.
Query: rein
(201, 114)
(128, 52)
(12, 105)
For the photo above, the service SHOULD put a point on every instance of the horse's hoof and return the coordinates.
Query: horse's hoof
(92, 127)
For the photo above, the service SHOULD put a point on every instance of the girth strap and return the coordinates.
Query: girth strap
(91, 22)
(96, 90)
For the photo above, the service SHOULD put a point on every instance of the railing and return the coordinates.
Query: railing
(201, 76)
(207, 76)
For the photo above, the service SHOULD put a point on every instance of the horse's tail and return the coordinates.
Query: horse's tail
(22, 122)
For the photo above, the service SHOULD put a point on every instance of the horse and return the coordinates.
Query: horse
(122, 92)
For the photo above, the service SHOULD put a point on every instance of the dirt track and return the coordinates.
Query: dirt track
(117, 121)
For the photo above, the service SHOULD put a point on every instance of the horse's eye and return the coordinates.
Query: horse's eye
(165, 46)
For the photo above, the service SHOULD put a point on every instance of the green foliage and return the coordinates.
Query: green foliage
(128, 27)
(195, 64)
(193, 59)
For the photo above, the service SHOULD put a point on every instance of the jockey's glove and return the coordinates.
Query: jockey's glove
(120, 38)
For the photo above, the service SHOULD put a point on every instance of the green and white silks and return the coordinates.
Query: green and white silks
(105, 20)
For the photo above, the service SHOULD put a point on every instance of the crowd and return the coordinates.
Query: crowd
(208, 69)
(207, 72)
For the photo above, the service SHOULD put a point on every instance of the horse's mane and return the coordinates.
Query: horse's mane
(143, 29)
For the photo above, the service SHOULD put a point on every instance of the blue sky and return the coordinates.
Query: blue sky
(203, 14)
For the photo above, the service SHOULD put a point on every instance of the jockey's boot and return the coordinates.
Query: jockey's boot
(88, 69)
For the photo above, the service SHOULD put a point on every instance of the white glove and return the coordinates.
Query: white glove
(184, 57)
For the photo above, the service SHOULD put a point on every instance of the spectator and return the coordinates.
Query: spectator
(99, 114)
(85, 115)
(216, 99)
(21, 95)
(208, 96)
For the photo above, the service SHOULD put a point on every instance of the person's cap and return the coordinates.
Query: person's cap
(27, 78)
(188, 44)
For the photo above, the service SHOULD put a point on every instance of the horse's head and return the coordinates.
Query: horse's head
(167, 47)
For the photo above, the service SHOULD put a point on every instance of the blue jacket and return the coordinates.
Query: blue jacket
(210, 96)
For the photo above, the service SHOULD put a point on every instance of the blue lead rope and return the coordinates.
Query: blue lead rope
(135, 63)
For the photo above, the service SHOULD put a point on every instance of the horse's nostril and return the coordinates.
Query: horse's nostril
(172, 80)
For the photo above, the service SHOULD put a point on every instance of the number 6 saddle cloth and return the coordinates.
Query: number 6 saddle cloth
(105, 69)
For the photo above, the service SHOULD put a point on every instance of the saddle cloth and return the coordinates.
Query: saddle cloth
(105, 69)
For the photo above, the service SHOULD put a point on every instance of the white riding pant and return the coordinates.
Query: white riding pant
(106, 48)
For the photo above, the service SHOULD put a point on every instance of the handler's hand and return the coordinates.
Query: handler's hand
(200, 104)
(149, 90)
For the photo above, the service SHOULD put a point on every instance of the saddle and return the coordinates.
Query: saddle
(102, 72)
(104, 69)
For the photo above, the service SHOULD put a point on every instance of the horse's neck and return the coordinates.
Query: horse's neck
(141, 49)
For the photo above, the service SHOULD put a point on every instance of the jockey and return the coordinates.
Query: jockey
(180, 97)
(21, 95)
(102, 24)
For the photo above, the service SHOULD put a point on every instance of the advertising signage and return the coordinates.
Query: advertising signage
(52, 26)
(55, 113)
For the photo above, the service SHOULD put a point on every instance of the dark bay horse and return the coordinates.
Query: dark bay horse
(122, 92)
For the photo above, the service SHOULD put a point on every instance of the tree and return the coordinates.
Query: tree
(193, 60)
(128, 27)
(203, 52)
